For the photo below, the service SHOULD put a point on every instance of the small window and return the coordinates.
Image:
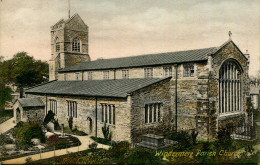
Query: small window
(148, 72)
(188, 70)
(125, 74)
(89, 75)
(76, 45)
(106, 75)
(76, 76)
(72, 109)
(152, 113)
(167, 71)
(57, 44)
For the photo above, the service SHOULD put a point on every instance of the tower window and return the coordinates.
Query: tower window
(57, 44)
(76, 45)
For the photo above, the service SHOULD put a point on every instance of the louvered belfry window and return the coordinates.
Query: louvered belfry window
(76, 45)
(230, 87)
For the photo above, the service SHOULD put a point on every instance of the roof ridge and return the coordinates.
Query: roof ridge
(58, 22)
(40, 84)
(68, 20)
(143, 55)
(152, 54)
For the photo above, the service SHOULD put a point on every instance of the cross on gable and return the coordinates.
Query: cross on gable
(229, 34)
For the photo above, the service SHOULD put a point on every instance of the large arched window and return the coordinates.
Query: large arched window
(76, 45)
(57, 44)
(230, 87)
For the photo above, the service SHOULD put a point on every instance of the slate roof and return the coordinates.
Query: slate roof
(31, 102)
(144, 60)
(93, 88)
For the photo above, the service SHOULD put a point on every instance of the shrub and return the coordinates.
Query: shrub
(70, 121)
(5, 139)
(56, 125)
(142, 156)
(194, 135)
(24, 132)
(93, 145)
(119, 149)
(28, 160)
(224, 139)
(183, 138)
(52, 140)
(49, 117)
(106, 132)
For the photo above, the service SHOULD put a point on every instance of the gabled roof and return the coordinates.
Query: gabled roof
(144, 60)
(63, 21)
(94, 88)
(31, 102)
(225, 44)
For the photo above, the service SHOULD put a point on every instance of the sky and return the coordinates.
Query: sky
(119, 28)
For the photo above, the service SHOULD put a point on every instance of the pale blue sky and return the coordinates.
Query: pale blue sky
(119, 28)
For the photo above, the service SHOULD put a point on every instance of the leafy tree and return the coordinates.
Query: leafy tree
(5, 95)
(23, 70)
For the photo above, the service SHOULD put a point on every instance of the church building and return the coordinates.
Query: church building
(204, 90)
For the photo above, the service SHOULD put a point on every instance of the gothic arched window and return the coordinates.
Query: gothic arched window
(57, 44)
(230, 87)
(76, 45)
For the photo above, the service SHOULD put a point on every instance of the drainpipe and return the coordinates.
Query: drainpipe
(114, 74)
(46, 105)
(96, 117)
(176, 97)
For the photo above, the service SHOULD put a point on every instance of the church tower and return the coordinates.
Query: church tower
(69, 44)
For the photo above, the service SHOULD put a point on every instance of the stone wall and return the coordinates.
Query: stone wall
(157, 93)
(33, 114)
(28, 114)
(137, 72)
(229, 51)
(86, 109)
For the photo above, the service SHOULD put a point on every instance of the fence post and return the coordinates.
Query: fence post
(40, 153)
(54, 151)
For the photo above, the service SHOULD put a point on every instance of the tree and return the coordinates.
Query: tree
(23, 70)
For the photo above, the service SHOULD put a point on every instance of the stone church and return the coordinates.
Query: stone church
(205, 90)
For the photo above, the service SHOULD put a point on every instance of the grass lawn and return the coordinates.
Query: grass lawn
(74, 132)
(5, 115)
(59, 159)
(101, 140)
